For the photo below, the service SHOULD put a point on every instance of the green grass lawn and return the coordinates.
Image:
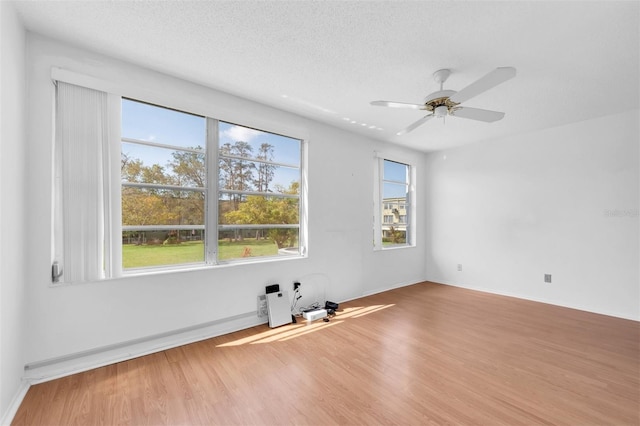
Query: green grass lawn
(192, 251)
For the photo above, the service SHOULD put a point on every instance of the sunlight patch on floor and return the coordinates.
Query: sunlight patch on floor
(302, 327)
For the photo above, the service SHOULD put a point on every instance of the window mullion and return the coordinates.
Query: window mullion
(395, 181)
(258, 160)
(144, 185)
(211, 194)
(260, 194)
(161, 145)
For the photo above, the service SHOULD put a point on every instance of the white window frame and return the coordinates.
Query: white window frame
(113, 239)
(378, 202)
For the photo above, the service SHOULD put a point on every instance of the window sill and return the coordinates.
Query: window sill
(164, 270)
(200, 267)
(392, 248)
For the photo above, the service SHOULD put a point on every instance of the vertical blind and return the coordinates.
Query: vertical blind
(81, 148)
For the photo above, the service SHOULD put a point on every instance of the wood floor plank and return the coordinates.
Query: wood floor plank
(422, 354)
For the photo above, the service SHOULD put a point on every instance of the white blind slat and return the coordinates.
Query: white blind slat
(81, 135)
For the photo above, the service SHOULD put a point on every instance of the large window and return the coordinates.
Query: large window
(170, 209)
(177, 190)
(393, 217)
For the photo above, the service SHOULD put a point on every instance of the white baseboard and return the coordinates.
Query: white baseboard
(45, 370)
(393, 287)
(539, 300)
(7, 416)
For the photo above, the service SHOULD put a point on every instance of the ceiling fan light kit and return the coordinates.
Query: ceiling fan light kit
(441, 111)
(447, 102)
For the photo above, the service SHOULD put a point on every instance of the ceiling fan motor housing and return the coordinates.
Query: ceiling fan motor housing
(438, 99)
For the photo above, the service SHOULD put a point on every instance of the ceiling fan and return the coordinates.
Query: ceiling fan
(447, 102)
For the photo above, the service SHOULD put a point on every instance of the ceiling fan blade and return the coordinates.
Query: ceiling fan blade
(495, 77)
(478, 114)
(413, 126)
(398, 105)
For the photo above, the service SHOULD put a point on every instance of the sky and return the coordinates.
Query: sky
(161, 125)
(396, 172)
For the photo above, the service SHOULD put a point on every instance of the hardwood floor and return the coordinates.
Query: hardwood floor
(423, 354)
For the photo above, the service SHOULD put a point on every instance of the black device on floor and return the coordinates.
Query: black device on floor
(331, 305)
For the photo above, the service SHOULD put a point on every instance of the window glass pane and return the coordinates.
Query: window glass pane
(397, 172)
(251, 143)
(239, 209)
(148, 164)
(394, 190)
(393, 235)
(142, 206)
(161, 125)
(156, 247)
(246, 243)
(244, 175)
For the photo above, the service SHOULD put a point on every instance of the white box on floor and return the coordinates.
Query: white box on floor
(279, 308)
(315, 314)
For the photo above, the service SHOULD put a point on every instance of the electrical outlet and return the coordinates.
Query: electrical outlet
(262, 311)
(547, 278)
(459, 266)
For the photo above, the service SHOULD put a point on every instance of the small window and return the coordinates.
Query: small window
(393, 226)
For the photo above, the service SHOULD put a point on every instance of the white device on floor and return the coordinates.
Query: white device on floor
(315, 314)
(279, 308)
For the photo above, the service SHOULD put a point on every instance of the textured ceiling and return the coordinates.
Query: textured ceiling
(328, 59)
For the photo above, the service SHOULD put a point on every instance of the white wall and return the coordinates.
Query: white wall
(563, 201)
(12, 189)
(65, 320)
